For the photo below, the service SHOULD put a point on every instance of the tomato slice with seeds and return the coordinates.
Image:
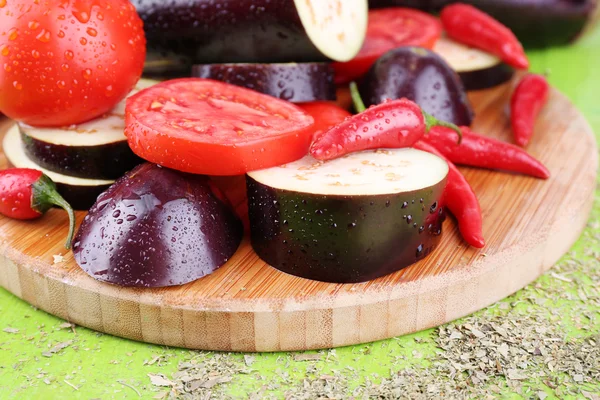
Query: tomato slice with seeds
(388, 29)
(207, 127)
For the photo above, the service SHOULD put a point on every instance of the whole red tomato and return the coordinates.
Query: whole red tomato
(64, 62)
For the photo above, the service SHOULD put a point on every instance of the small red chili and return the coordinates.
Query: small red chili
(471, 26)
(28, 194)
(460, 200)
(481, 151)
(527, 101)
(392, 124)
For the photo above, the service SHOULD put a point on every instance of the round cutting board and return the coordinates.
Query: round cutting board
(249, 306)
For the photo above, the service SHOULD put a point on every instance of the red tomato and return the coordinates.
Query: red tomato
(388, 29)
(63, 62)
(214, 128)
(326, 115)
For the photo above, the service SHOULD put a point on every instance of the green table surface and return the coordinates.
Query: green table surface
(97, 366)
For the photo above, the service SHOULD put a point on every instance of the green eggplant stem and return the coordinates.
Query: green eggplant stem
(45, 196)
(359, 105)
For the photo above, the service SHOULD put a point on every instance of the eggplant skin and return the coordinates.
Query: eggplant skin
(487, 78)
(108, 161)
(220, 31)
(80, 197)
(537, 23)
(156, 227)
(343, 239)
(297, 83)
(422, 76)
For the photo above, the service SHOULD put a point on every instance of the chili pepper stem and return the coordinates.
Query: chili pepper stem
(359, 105)
(44, 196)
(431, 121)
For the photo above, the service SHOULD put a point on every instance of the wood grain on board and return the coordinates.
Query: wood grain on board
(249, 306)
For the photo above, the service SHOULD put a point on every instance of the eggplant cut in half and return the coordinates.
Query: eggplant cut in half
(157, 227)
(352, 219)
(96, 149)
(250, 31)
(294, 82)
(80, 193)
(477, 69)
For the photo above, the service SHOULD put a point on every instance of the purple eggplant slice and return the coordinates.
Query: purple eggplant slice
(236, 31)
(477, 69)
(293, 82)
(96, 149)
(156, 227)
(422, 76)
(352, 219)
(80, 193)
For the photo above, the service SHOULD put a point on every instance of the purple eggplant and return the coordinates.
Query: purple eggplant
(156, 227)
(537, 23)
(422, 76)
(294, 82)
(185, 32)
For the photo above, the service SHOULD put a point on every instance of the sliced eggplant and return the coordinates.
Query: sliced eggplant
(156, 227)
(477, 69)
(80, 193)
(236, 31)
(96, 149)
(352, 219)
(298, 83)
(422, 76)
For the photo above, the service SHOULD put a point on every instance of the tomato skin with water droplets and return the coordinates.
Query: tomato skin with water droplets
(66, 62)
(208, 127)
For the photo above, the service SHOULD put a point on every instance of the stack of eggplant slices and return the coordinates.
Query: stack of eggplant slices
(268, 98)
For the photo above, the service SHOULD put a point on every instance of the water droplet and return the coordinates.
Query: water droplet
(404, 205)
(433, 207)
(419, 250)
(113, 46)
(82, 16)
(43, 36)
(17, 85)
(61, 34)
(2, 3)
(92, 32)
(4, 50)
(33, 25)
(7, 67)
(116, 214)
(408, 219)
(13, 33)
(69, 55)
(65, 67)
(100, 16)
(352, 225)
(61, 84)
(83, 41)
(87, 73)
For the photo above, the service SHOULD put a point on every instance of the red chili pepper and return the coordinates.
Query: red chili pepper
(471, 26)
(392, 124)
(481, 151)
(527, 101)
(28, 194)
(326, 114)
(460, 200)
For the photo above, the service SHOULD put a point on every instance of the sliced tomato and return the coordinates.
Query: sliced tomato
(207, 127)
(326, 115)
(388, 29)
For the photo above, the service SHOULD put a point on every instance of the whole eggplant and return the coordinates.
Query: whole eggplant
(537, 23)
(156, 227)
(422, 76)
(185, 32)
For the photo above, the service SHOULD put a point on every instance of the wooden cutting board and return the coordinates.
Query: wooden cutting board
(249, 306)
